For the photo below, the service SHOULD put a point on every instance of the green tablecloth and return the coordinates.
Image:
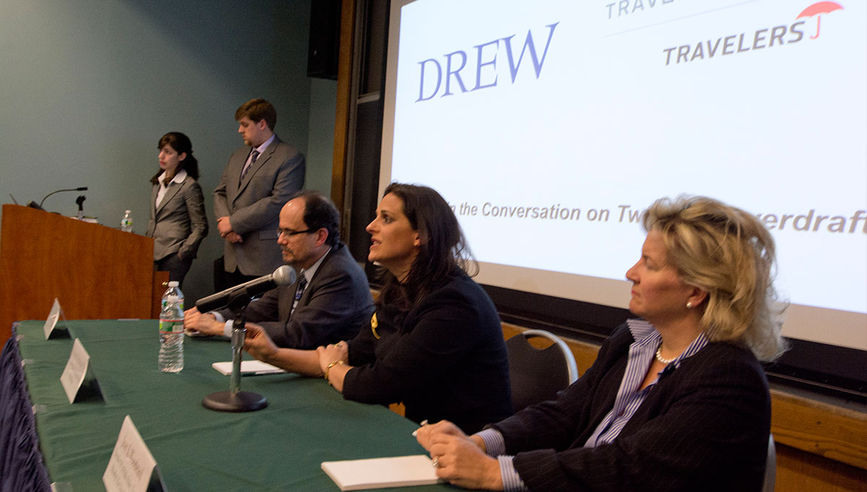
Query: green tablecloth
(278, 448)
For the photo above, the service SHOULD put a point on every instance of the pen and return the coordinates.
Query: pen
(422, 423)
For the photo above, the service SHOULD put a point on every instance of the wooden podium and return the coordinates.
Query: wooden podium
(95, 271)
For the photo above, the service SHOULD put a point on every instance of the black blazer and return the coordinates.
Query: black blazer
(704, 426)
(445, 358)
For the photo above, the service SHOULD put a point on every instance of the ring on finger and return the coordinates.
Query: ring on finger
(435, 463)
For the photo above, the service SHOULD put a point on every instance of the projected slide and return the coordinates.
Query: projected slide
(549, 126)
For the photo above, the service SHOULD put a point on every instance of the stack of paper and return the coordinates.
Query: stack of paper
(247, 367)
(379, 473)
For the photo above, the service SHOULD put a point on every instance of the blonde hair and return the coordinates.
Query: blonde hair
(728, 253)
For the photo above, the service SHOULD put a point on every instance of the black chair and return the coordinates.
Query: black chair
(538, 374)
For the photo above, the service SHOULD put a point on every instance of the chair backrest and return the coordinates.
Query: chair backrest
(770, 466)
(538, 374)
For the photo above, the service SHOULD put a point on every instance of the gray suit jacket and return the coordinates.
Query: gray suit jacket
(253, 205)
(178, 223)
(335, 304)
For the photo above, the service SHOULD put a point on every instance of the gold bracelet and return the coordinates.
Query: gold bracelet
(327, 369)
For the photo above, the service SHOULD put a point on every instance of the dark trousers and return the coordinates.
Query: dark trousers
(176, 267)
(223, 279)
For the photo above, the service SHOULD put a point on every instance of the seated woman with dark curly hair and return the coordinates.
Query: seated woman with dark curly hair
(435, 342)
(676, 400)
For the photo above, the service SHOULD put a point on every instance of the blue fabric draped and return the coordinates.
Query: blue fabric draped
(21, 466)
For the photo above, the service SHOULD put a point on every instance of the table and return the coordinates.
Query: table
(278, 448)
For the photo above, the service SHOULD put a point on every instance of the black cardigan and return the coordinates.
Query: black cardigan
(444, 359)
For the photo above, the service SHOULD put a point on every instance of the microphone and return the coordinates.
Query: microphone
(80, 202)
(284, 275)
(34, 205)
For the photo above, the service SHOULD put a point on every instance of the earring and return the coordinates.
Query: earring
(689, 304)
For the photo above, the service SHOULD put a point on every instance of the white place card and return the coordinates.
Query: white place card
(53, 317)
(380, 473)
(75, 370)
(131, 467)
(61, 487)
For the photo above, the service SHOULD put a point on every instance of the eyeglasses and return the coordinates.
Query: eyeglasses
(290, 232)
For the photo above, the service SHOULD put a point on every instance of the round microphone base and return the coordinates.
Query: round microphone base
(242, 401)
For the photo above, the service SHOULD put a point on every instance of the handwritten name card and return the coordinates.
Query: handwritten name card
(75, 370)
(131, 467)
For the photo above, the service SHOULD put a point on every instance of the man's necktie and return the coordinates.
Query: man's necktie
(253, 156)
(302, 284)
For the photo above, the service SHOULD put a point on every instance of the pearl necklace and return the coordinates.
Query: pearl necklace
(659, 356)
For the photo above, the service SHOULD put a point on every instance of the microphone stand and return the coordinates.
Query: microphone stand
(80, 202)
(80, 188)
(236, 400)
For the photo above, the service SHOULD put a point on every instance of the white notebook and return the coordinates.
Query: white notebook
(378, 473)
(247, 367)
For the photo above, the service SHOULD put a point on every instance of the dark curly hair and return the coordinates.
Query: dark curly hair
(443, 250)
(181, 144)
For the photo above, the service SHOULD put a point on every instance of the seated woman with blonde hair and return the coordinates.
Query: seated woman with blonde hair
(676, 400)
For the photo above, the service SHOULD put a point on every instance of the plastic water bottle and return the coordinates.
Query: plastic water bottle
(126, 222)
(171, 357)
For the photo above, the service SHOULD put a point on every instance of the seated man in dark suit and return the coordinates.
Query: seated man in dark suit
(329, 301)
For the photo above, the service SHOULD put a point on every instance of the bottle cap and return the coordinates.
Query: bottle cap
(173, 283)
(128, 211)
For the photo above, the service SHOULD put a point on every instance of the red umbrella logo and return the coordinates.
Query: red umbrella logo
(819, 8)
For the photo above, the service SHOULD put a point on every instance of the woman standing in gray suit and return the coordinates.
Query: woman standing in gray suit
(177, 219)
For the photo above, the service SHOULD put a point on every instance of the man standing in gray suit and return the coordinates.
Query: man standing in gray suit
(329, 301)
(256, 183)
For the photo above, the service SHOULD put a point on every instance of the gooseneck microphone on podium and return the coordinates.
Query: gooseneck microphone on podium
(34, 205)
(236, 298)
